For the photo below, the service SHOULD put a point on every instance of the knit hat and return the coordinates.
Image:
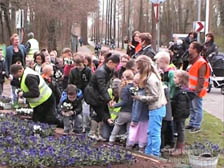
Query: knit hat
(116, 83)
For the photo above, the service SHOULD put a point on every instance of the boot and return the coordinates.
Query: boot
(99, 133)
(93, 130)
(179, 149)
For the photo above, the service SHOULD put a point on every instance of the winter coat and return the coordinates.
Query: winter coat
(80, 78)
(209, 47)
(148, 51)
(9, 55)
(126, 99)
(96, 92)
(181, 103)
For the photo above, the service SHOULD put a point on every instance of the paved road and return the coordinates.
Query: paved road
(213, 103)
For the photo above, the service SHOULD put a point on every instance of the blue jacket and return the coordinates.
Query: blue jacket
(140, 110)
(126, 99)
(9, 55)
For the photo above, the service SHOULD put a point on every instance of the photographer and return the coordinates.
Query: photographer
(177, 52)
(68, 65)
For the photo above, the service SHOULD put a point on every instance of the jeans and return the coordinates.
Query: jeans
(196, 112)
(154, 131)
(14, 96)
(85, 115)
(180, 124)
(123, 118)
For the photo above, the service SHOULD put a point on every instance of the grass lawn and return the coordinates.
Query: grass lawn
(212, 130)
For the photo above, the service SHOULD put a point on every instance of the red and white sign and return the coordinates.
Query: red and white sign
(156, 12)
(199, 26)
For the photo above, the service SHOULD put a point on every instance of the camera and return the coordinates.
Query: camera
(68, 61)
(133, 91)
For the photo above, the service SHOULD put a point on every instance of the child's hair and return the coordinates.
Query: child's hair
(38, 53)
(127, 76)
(47, 68)
(130, 64)
(79, 59)
(114, 57)
(89, 60)
(66, 50)
(146, 67)
(183, 78)
(163, 55)
(71, 89)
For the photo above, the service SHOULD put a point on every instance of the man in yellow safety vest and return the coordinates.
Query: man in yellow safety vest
(32, 46)
(37, 93)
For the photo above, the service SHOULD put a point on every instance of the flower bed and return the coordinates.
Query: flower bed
(20, 147)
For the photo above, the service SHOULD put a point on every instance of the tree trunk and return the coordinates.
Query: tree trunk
(111, 17)
(2, 39)
(115, 3)
(123, 23)
(6, 15)
(52, 45)
(84, 29)
(153, 29)
(129, 13)
(140, 16)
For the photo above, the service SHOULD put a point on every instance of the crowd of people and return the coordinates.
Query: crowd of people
(140, 95)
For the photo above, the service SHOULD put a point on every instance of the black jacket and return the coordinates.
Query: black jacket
(208, 48)
(148, 51)
(181, 103)
(76, 106)
(2, 71)
(80, 78)
(55, 89)
(96, 92)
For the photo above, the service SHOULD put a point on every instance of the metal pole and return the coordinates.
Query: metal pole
(207, 16)
(199, 17)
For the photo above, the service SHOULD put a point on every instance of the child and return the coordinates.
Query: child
(155, 98)
(39, 59)
(71, 109)
(68, 64)
(163, 62)
(80, 76)
(181, 107)
(139, 120)
(114, 112)
(48, 77)
(125, 104)
(2, 72)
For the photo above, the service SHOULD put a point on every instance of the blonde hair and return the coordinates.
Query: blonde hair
(163, 55)
(146, 67)
(127, 76)
(47, 68)
(13, 37)
(183, 77)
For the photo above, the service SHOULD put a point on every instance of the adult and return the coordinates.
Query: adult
(37, 93)
(199, 73)
(96, 93)
(209, 46)
(124, 60)
(192, 36)
(146, 40)
(15, 54)
(32, 46)
(134, 46)
(80, 41)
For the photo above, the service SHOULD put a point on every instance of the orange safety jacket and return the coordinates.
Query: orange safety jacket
(193, 76)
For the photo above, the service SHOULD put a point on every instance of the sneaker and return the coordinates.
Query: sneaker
(93, 136)
(176, 134)
(194, 130)
(189, 127)
(100, 138)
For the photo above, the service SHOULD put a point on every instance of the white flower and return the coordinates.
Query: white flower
(37, 127)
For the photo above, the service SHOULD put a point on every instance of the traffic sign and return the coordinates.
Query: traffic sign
(199, 26)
